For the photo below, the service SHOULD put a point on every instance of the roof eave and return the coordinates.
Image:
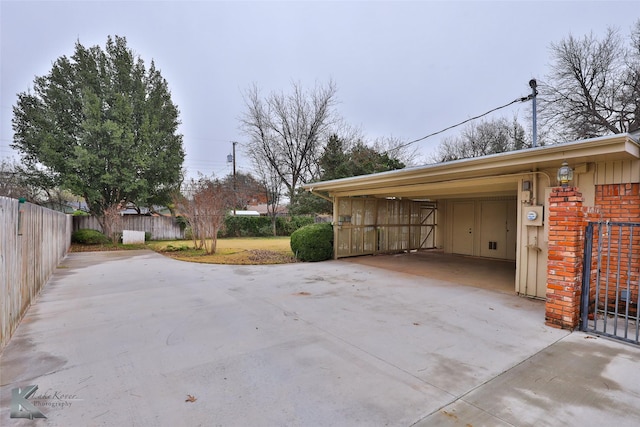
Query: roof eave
(620, 145)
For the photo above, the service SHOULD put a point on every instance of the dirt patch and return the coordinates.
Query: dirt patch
(234, 257)
(260, 256)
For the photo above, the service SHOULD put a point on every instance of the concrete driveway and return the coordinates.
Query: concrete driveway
(136, 339)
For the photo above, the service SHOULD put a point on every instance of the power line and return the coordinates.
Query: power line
(523, 99)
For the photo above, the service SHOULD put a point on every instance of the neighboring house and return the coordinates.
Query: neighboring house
(155, 210)
(494, 206)
(130, 210)
(262, 209)
(239, 212)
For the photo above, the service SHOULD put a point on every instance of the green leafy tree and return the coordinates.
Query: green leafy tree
(103, 126)
(309, 204)
(364, 160)
(334, 162)
(342, 160)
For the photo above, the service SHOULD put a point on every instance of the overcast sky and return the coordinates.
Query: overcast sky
(402, 69)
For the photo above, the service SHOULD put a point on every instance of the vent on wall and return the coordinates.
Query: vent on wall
(493, 246)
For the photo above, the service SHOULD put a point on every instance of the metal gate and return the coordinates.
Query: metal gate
(610, 279)
(428, 225)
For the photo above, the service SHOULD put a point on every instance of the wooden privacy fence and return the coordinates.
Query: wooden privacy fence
(160, 227)
(33, 241)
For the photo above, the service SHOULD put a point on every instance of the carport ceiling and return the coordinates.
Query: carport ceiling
(488, 175)
(487, 186)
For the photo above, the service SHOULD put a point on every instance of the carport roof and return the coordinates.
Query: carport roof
(493, 174)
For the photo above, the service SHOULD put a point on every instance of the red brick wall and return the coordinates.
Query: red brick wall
(617, 203)
(567, 221)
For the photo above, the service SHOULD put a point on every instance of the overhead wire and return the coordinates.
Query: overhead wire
(406, 144)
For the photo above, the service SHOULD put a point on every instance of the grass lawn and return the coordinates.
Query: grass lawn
(239, 251)
(247, 251)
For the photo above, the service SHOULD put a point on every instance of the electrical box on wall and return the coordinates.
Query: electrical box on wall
(533, 215)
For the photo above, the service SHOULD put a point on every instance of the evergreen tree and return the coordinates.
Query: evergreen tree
(102, 126)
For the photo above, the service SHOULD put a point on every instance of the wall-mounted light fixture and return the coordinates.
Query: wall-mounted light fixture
(565, 174)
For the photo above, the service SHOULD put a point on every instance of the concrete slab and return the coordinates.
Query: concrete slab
(486, 273)
(581, 380)
(125, 338)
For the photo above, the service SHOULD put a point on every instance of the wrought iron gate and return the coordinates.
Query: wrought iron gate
(610, 279)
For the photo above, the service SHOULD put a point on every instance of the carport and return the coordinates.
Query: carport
(485, 273)
(490, 207)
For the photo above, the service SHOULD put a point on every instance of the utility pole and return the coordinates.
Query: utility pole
(534, 84)
(235, 194)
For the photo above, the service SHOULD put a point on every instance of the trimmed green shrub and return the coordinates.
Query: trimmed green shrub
(89, 237)
(244, 226)
(313, 242)
(265, 231)
(286, 226)
(188, 233)
(260, 226)
(147, 236)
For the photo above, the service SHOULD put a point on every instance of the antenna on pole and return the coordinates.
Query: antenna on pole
(534, 84)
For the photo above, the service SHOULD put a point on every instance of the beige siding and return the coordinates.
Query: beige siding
(617, 172)
(533, 245)
(584, 180)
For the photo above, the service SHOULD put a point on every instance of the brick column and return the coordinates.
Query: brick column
(564, 265)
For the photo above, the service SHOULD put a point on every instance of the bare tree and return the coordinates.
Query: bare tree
(397, 149)
(594, 86)
(487, 137)
(12, 183)
(248, 190)
(111, 222)
(272, 186)
(185, 206)
(204, 203)
(631, 80)
(286, 131)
